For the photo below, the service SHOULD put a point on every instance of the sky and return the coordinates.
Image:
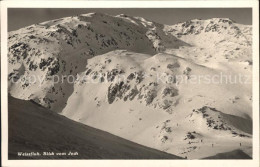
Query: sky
(21, 17)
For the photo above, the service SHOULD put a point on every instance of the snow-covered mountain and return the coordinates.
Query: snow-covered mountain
(63, 46)
(217, 38)
(135, 79)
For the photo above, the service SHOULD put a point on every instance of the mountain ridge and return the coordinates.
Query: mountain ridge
(84, 141)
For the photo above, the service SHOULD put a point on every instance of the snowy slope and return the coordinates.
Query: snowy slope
(135, 79)
(33, 123)
(160, 114)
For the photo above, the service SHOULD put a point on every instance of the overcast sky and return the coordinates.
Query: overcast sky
(18, 18)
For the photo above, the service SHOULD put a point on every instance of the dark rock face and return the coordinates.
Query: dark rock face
(32, 66)
(54, 68)
(133, 93)
(139, 77)
(45, 63)
(112, 91)
(88, 71)
(190, 135)
(164, 139)
(118, 90)
(170, 91)
(131, 76)
(113, 73)
(48, 102)
(149, 97)
(18, 52)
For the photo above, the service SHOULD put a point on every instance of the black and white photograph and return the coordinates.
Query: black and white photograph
(130, 83)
